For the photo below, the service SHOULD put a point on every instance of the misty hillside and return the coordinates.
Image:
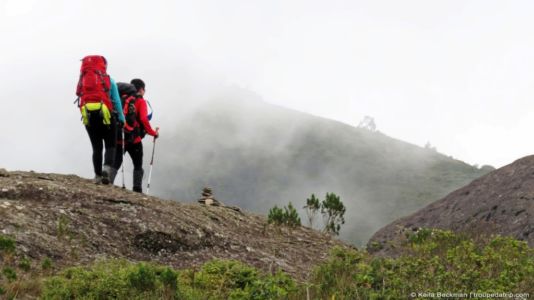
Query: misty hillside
(502, 202)
(256, 155)
(72, 221)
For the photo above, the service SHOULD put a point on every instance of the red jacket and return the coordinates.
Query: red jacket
(142, 117)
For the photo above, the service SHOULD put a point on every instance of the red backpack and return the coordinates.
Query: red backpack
(94, 83)
(132, 127)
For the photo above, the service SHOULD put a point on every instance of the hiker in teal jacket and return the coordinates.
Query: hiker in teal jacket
(116, 100)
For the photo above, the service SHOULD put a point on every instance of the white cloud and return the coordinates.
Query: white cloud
(456, 73)
(17, 8)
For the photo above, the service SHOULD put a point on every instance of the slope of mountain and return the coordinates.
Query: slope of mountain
(501, 202)
(256, 155)
(73, 221)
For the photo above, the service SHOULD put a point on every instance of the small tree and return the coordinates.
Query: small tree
(287, 216)
(368, 123)
(276, 215)
(333, 212)
(312, 207)
(429, 146)
(292, 218)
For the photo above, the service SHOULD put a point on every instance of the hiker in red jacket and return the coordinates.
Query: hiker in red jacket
(136, 127)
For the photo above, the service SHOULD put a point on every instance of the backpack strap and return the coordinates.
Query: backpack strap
(79, 87)
(129, 123)
(102, 79)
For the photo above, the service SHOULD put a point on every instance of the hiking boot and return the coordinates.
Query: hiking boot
(98, 179)
(106, 171)
(138, 180)
(112, 175)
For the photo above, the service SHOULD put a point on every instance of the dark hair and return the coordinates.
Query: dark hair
(138, 83)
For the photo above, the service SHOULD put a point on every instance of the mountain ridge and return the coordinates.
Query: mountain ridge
(257, 155)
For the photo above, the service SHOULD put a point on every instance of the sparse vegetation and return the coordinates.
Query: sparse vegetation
(169, 278)
(376, 246)
(46, 264)
(419, 236)
(7, 244)
(227, 279)
(10, 274)
(25, 264)
(62, 226)
(433, 260)
(142, 278)
(120, 279)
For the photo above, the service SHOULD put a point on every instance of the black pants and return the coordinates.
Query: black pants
(102, 135)
(136, 153)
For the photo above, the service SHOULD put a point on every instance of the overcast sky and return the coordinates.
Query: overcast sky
(456, 73)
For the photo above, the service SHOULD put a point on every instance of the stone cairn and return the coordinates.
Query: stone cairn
(208, 199)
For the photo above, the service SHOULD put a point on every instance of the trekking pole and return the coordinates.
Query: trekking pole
(123, 150)
(151, 163)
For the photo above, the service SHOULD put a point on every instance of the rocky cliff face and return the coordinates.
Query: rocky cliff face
(73, 221)
(501, 202)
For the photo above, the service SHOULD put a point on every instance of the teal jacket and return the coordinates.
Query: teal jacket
(116, 100)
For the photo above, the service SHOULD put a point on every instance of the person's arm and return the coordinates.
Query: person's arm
(116, 100)
(143, 117)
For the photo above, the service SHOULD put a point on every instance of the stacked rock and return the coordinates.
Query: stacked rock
(207, 197)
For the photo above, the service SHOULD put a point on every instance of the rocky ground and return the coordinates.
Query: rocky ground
(73, 221)
(501, 202)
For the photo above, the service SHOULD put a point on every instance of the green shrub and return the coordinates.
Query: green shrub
(114, 279)
(142, 278)
(434, 260)
(46, 264)
(10, 274)
(169, 278)
(25, 264)
(291, 216)
(376, 246)
(118, 279)
(420, 236)
(276, 216)
(227, 279)
(62, 226)
(7, 244)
